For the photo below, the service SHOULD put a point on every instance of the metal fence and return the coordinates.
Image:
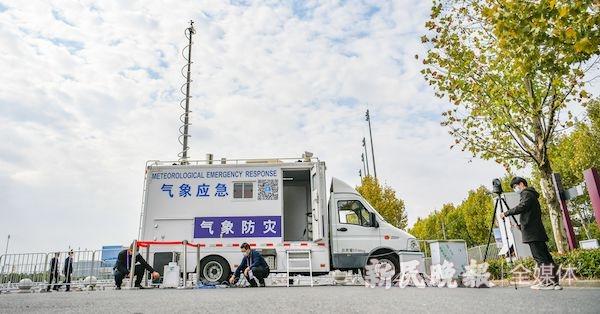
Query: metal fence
(478, 252)
(38, 268)
(49, 270)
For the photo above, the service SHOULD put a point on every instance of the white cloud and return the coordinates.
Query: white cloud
(91, 92)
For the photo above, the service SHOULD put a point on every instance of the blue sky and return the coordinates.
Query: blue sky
(90, 91)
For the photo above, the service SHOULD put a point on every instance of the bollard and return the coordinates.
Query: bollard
(184, 242)
(93, 262)
(132, 268)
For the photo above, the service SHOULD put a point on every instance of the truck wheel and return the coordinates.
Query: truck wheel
(390, 259)
(214, 269)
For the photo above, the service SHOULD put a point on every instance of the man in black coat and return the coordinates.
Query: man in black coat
(68, 270)
(533, 231)
(53, 273)
(123, 265)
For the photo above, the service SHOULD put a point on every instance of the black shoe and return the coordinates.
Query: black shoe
(118, 288)
(262, 285)
(140, 287)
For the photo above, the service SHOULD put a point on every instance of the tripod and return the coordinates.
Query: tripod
(500, 202)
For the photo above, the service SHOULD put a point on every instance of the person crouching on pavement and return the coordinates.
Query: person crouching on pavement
(123, 265)
(253, 266)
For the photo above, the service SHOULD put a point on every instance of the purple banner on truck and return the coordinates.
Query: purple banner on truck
(237, 227)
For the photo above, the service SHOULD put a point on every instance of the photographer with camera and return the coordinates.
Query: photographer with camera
(533, 230)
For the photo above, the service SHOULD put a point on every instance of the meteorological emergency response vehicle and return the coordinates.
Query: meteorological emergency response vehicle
(278, 206)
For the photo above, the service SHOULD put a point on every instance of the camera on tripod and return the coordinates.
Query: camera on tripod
(500, 206)
(497, 187)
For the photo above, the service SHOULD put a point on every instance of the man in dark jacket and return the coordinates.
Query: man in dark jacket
(68, 270)
(123, 265)
(53, 273)
(253, 266)
(533, 230)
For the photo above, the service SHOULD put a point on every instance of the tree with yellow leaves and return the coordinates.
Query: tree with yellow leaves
(384, 200)
(511, 68)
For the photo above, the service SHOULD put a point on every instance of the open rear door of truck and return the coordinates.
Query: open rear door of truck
(317, 183)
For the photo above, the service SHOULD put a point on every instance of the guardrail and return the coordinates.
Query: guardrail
(52, 270)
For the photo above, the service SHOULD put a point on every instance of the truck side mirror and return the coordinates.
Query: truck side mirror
(374, 222)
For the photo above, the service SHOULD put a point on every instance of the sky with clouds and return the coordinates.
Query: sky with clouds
(89, 90)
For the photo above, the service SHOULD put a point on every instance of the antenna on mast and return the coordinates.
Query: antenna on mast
(184, 118)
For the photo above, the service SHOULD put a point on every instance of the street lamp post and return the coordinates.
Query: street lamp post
(368, 118)
(7, 241)
(364, 144)
(362, 158)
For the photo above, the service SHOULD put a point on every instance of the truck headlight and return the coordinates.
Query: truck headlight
(413, 245)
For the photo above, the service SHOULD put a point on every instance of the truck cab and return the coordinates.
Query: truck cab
(359, 233)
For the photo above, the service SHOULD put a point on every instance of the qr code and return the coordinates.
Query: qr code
(268, 190)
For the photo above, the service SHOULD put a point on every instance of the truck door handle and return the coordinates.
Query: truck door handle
(342, 229)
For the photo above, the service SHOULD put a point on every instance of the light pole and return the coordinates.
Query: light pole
(7, 241)
(364, 144)
(368, 118)
(362, 158)
(184, 134)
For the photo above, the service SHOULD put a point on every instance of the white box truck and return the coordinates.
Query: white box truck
(275, 205)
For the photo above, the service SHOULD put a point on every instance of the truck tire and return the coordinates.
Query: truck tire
(391, 259)
(214, 269)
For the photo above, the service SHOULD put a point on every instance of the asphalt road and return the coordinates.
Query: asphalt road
(324, 299)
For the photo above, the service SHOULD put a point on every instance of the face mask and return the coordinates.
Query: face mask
(517, 189)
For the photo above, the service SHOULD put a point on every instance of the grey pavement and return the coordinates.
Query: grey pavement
(324, 299)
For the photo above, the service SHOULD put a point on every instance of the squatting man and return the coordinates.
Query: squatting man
(123, 265)
(253, 265)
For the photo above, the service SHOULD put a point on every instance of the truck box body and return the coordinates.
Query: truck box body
(274, 205)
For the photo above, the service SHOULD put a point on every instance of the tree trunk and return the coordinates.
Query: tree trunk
(553, 204)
